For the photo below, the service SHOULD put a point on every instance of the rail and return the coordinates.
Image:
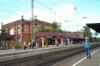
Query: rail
(41, 57)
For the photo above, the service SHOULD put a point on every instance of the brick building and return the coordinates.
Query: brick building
(21, 30)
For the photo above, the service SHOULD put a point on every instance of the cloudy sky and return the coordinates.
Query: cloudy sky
(68, 13)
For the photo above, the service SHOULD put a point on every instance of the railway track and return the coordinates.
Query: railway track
(45, 58)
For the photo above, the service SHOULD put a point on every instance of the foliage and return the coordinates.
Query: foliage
(55, 28)
(96, 39)
(3, 32)
(95, 34)
(86, 31)
(18, 46)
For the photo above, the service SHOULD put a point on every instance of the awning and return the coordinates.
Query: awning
(94, 26)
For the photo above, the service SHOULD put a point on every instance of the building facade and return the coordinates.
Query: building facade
(20, 31)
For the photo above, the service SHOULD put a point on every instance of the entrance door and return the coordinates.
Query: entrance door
(51, 41)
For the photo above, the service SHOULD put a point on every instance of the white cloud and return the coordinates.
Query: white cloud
(44, 15)
(64, 12)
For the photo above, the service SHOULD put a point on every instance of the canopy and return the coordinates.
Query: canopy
(95, 26)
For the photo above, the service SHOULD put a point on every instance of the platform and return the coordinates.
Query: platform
(94, 61)
(81, 60)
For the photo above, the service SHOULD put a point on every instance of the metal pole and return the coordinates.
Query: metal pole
(22, 29)
(33, 33)
(17, 33)
(1, 39)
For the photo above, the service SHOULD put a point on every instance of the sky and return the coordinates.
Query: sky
(68, 13)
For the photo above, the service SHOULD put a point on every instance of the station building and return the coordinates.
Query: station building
(20, 31)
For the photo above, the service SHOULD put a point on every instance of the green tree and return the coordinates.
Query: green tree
(95, 34)
(3, 35)
(3, 31)
(87, 31)
(96, 39)
(43, 29)
(56, 27)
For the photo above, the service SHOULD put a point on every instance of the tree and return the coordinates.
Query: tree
(2, 35)
(95, 34)
(56, 26)
(43, 29)
(3, 32)
(95, 38)
(86, 31)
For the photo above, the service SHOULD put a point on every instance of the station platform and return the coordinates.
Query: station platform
(19, 51)
(94, 61)
(46, 54)
(11, 54)
(81, 59)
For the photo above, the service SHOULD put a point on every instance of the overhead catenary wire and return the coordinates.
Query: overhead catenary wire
(8, 11)
(45, 5)
(48, 7)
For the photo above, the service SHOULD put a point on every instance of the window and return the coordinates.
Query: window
(11, 31)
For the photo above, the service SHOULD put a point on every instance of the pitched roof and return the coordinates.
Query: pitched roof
(43, 23)
(27, 22)
(16, 22)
